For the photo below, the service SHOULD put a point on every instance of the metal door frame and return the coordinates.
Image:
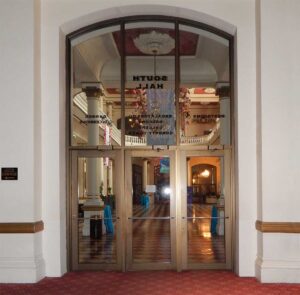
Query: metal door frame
(182, 220)
(129, 154)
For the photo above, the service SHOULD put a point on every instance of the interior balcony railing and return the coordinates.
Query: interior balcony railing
(81, 102)
(204, 139)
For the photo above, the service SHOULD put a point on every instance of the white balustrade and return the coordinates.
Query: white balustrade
(135, 140)
(205, 139)
(81, 101)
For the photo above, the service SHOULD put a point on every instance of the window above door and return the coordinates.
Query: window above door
(162, 81)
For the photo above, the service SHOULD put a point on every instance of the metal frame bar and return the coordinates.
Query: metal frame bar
(177, 82)
(202, 217)
(151, 218)
(93, 218)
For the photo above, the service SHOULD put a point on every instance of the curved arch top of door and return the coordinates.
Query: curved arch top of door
(84, 23)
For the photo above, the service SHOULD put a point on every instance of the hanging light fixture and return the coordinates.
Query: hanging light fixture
(154, 43)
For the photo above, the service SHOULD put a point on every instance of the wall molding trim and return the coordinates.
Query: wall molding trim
(21, 227)
(277, 227)
(277, 271)
(22, 269)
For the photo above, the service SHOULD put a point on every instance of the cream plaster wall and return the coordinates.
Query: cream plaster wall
(278, 258)
(20, 132)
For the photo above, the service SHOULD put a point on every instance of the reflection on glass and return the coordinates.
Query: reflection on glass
(203, 246)
(204, 100)
(96, 114)
(96, 211)
(151, 241)
(96, 250)
(151, 187)
(205, 210)
(150, 91)
(151, 201)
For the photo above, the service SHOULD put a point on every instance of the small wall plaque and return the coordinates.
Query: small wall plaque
(9, 173)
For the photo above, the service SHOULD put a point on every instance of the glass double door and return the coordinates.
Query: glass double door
(138, 210)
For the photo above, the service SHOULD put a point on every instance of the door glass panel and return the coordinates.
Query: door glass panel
(96, 205)
(150, 84)
(205, 210)
(151, 210)
(204, 100)
(95, 89)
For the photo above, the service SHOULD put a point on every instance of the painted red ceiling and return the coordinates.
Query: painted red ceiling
(188, 41)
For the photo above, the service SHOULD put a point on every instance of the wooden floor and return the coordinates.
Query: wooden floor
(151, 239)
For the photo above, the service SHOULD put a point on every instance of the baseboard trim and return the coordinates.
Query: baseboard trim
(22, 269)
(278, 227)
(21, 227)
(277, 271)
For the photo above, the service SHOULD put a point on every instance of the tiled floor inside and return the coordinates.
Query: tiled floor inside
(151, 239)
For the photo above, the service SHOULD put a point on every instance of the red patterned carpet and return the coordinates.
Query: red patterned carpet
(150, 282)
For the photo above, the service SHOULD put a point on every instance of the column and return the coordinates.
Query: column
(105, 174)
(189, 171)
(110, 176)
(223, 90)
(225, 122)
(94, 205)
(221, 201)
(81, 176)
(109, 110)
(145, 173)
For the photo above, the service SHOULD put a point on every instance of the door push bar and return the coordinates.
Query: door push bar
(95, 218)
(202, 217)
(152, 218)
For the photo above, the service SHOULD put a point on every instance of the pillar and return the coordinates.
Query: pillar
(109, 110)
(102, 175)
(145, 173)
(110, 175)
(94, 205)
(81, 176)
(189, 171)
(225, 122)
(223, 91)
